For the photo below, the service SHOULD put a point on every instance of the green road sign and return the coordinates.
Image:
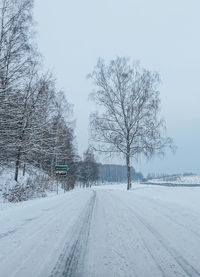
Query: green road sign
(61, 169)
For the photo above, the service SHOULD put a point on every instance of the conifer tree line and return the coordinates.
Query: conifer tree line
(117, 173)
(88, 169)
(35, 118)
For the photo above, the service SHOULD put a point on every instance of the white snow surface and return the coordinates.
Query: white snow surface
(105, 231)
(190, 180)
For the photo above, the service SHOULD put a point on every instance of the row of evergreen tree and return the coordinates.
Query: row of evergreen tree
(117, 173)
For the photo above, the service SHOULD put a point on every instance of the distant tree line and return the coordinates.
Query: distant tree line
(90, 172)
(87, 169)
(117, 173)
(35, 118)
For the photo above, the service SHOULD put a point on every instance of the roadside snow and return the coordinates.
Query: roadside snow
(37, 182)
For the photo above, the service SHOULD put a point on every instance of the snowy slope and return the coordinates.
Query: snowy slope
(39, 183)
(107, 231)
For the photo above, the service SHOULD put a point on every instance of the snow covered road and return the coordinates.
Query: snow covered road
(149, 231)
(35, 235)
(144, 236)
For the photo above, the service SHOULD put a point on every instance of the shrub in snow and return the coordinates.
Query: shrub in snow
(34, 187)
(22, 193)
(16, 194)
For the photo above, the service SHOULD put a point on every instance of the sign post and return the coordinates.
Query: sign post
(61, 170)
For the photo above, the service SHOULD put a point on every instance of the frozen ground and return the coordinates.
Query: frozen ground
(106, 232)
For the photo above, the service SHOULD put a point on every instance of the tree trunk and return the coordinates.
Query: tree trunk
(17, 164)
(24, 169)
(128, 171)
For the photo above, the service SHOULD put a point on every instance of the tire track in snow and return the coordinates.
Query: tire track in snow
(172, 219)
(187, 268)
(129, 254)
(183, 263)
(127, 222)
(34, 248)
(116, 248)
(71, 260)
(180, 260)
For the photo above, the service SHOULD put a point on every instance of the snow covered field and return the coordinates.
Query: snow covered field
(179, 180)
(106, 231)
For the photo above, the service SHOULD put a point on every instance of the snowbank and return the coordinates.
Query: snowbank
(35, 183)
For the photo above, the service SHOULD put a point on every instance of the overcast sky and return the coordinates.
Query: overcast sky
(162, 34)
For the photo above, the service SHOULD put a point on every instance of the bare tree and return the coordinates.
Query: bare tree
(129, 122)
(31, 118)
(35, 118)
(17, 55)
(16, 47)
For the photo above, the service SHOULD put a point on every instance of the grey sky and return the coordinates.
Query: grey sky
(163, 35)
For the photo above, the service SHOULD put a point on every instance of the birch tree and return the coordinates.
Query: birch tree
(16, 47)
(129, 122)
(16, 57)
